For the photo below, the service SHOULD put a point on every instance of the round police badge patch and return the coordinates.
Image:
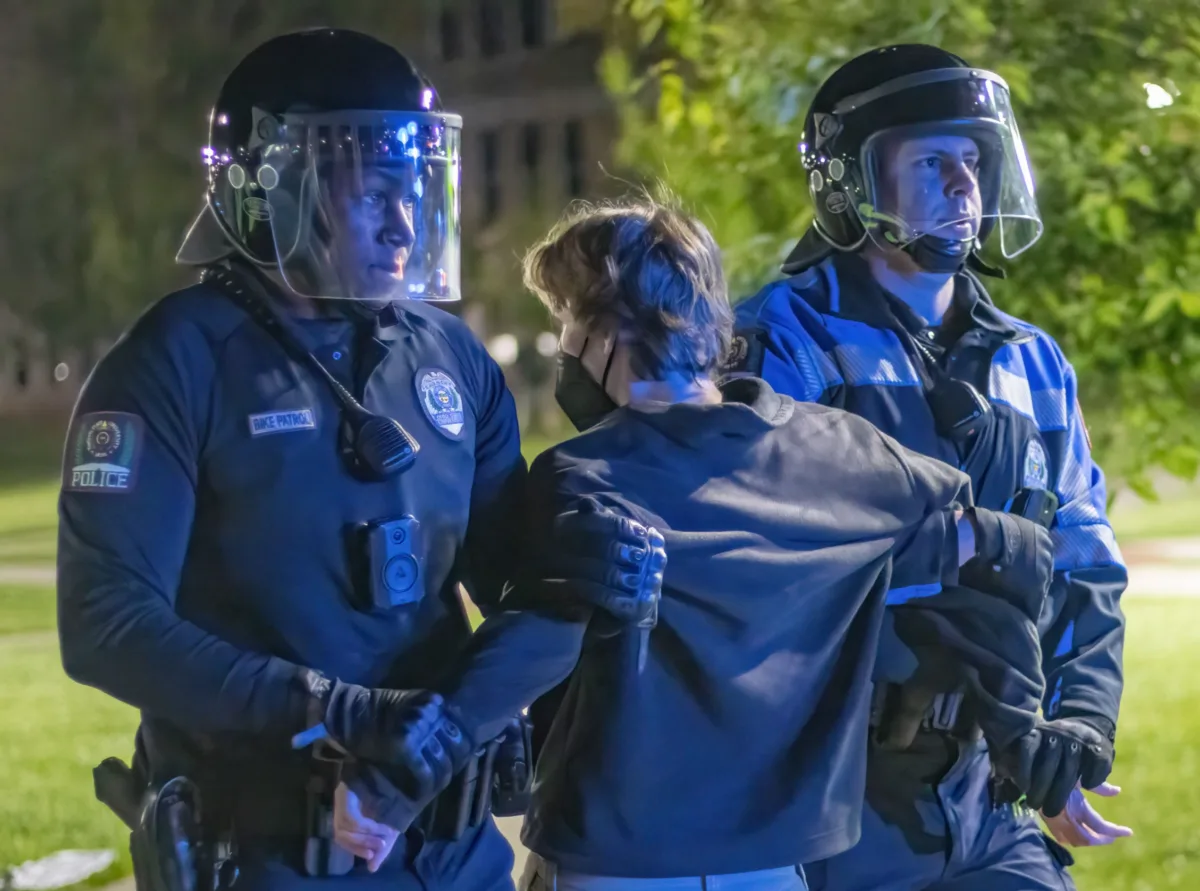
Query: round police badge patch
(103, 439)
(1037, 473)
(441, 401)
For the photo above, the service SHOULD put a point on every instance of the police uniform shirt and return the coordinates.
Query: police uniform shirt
(207, 521)
(832, 335)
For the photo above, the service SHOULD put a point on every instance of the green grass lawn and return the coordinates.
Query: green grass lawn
(28, 522)
(55, 731)
(26, 608)
(1177, 514)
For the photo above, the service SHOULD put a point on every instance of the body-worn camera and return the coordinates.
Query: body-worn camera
(390, 562)
(1038, 505)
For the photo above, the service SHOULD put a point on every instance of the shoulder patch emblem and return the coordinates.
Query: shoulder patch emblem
(745, 353)
(1036, 473)
(104, 450)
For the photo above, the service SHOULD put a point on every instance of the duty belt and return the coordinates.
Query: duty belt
(463, 805)
(176, 847)
(946, 714)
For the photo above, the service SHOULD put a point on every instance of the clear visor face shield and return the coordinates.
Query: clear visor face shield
(364, 205)
(956, 178)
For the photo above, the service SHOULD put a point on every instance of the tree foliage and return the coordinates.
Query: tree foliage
(1107, 94)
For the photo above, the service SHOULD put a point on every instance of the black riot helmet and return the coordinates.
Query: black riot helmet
(911, 147)
(308, 121)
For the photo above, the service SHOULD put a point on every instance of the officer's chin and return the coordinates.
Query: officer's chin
(379, 290)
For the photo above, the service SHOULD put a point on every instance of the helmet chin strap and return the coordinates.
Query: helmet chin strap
(940, 254)
(361, 311)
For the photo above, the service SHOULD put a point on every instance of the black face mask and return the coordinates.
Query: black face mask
(584, 402)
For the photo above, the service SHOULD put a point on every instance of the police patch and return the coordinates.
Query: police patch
(104, 449)
(745, 353)
(737, 351)
(439, 397)
(1037, 473)
(282, 421)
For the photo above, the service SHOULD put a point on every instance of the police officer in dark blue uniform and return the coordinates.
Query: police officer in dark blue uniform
(276, 481)
(915, 161)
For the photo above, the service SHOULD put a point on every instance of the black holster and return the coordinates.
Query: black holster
(322, 857)
(512, 780)
(172, 848)
(497, 781)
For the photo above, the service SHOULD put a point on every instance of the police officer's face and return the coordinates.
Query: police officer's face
(373, 229)
(932, 184)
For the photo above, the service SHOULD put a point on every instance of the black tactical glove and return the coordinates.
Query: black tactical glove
(607, 561)
(1014, 559)
(411, 731)
(1048, 761)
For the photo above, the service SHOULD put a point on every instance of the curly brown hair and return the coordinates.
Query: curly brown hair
(645, 263)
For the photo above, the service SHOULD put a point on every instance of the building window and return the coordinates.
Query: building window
(491, 28)
(490, 151)
(450, 29)
(573, 154)
(531, 156)
(533, 22)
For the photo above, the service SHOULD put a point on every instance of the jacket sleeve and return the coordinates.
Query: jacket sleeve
(925, 556)
(959, 635)
(126, 508)
(492, 544)
(780, 340)
(1083, 647)
(520, 653)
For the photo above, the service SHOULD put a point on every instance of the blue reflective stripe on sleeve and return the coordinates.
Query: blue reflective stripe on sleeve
(897, 596)
(1076, 490)
(1067, 641)
(794, 362)
(818, 371)
(1042, 363)
(1011, 388)
(870, 356)
(1079, 547)
(1028, 378)
(1055, 700)
(1050, 409)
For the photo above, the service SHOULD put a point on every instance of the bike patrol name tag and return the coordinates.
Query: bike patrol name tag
(282, 422)
(1037, 474)
(105, 448)
(441, 401)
